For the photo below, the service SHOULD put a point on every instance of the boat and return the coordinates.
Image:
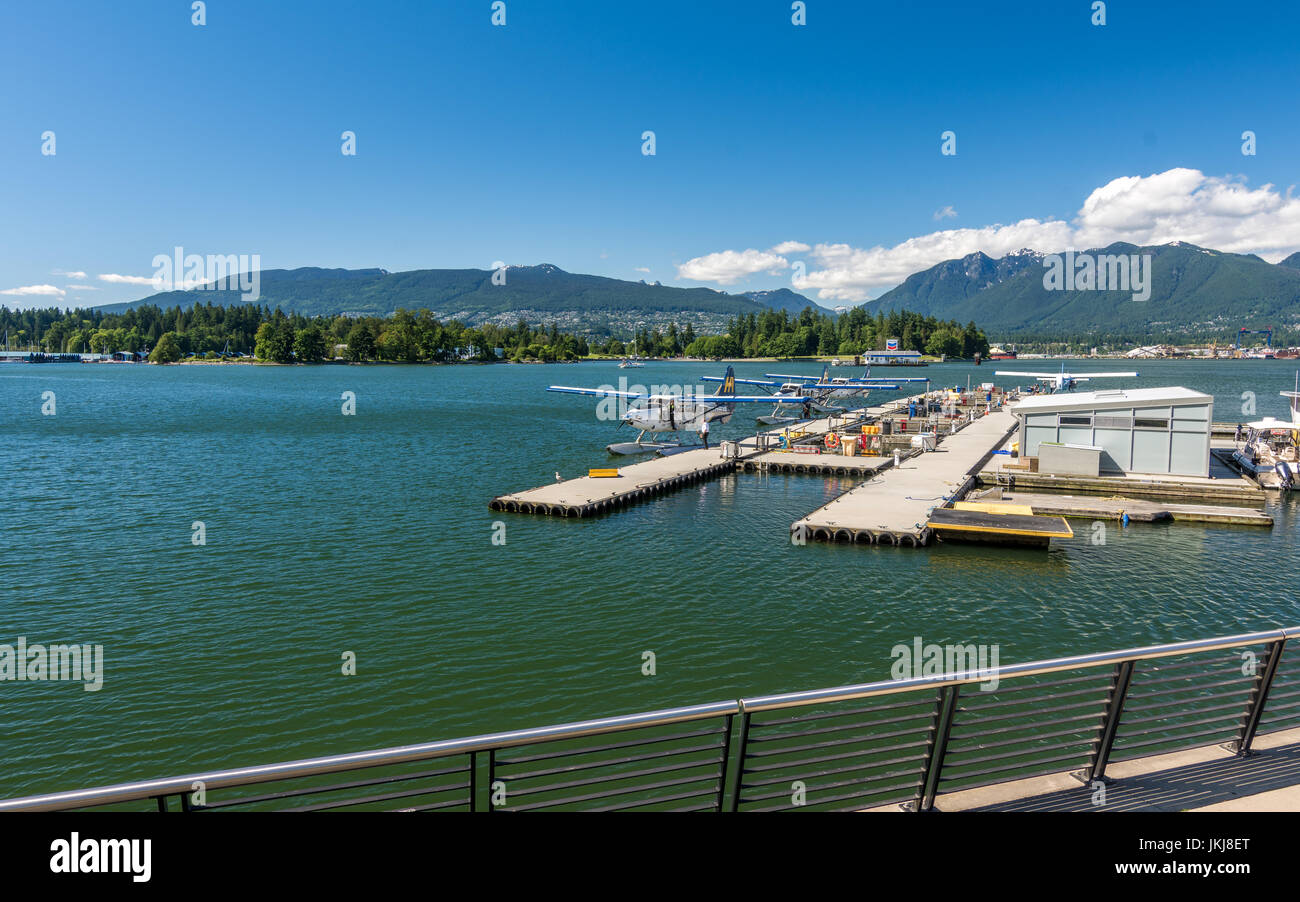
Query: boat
(631, 362)
(1270, 452)
(1001, 354)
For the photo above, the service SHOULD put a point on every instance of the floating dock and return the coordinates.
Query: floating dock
(1000, 523)
(589, 496)
(917, 500)
(1226, 487)
(814, 464)
(1138, 510)
(895, 507)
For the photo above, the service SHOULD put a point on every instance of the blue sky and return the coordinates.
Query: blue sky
(522, 143)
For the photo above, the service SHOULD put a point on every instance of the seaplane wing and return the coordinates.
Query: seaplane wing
(597, 392)
(1102, 376)
(1051, 377)
(880, 385)
(701, 399)
(766, 382)
(748, 399)
(791, 377)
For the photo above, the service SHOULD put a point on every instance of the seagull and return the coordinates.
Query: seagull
(558, 477)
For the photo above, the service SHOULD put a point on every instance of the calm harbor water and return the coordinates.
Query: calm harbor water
(370, 534)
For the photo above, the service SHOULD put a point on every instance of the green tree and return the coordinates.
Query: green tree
(167, 350)
(361, 343)
(944, 343)
(274, 342)
(309, 344)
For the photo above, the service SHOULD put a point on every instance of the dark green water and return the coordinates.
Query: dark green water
(371, 534)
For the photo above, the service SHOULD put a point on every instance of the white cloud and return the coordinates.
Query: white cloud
(791, 247)
(1187, 205)
(35, 291)
(116, 279)
(71, 274)
(1177, 205)
(85, 287)
(729, 267)
(946, 213)
(848, 273)
(643, 269)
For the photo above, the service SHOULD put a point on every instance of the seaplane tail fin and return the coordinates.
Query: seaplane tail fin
(826, 373)
(728, 386)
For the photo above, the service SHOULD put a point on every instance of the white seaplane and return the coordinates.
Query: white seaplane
(1063, 381)
(807, 392)
(843, 387)
(1271, 451)
(667, 413)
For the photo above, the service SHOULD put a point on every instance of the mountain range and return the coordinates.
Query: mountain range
(543, 293)
(1194, 292)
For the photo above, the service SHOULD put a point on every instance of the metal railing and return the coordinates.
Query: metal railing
(889, 742)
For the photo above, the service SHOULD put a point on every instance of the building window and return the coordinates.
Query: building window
(1075, 421)
(1151, 423)
(1113, 422)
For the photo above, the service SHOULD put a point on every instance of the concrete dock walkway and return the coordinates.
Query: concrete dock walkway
(894, 507)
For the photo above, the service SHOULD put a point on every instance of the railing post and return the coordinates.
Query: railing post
(492, 778)
(1258, 697)
(740, 761)
(945, 708)
(473, 781)
(722, 774)
(1097, 761)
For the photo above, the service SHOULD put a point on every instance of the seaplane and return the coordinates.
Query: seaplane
(808, 392)
(844, 387)
(1271, 451)
(1063, 381)
(666, 413)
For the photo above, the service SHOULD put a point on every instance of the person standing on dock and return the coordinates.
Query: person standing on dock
(704, 432)
(1238, 438)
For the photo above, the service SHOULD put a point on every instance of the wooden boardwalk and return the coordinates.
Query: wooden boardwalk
(894, 507)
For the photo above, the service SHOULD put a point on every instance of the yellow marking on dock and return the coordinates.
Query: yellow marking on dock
(603, 472)
(994, 507)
